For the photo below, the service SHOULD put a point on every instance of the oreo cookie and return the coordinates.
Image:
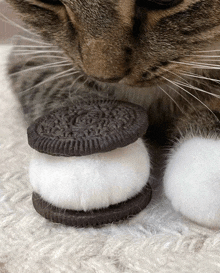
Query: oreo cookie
(87, 128)
(93, 218)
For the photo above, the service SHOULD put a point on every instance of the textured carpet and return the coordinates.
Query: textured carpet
(157, 240)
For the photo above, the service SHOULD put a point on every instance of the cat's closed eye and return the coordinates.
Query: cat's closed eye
(51, 2)
(151, 4)
(158, 4)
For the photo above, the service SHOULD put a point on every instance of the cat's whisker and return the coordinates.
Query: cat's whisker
(197, 89)
(213, 50)
(72, 73)
(72, 84)
(171, 72)
(187, 84)
(37, 51)
(7, 20)
(33, 52)
(49, 65)
(56, 76)
(197, 76)
(34, 46)
(210, 62)
(47, 56)
(204, 56)
(196, 98)
(197, 65)
(26, 54)
(181, 110)
(82, 83)
(31, 40)
(181, 95)
(205, 64)
(78, 78)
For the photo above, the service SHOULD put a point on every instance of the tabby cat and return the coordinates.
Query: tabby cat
(161, 54)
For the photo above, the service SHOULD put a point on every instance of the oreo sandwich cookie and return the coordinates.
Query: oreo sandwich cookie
(85, 129)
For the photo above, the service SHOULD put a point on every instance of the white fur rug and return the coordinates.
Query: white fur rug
(157, 240)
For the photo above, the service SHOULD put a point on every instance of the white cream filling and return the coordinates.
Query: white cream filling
(91, 182)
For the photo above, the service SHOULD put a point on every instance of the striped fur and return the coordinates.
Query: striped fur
(118, 49)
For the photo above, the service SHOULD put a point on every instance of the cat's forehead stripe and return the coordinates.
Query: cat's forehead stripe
(190, 21)
(126, 10)
(155, 15)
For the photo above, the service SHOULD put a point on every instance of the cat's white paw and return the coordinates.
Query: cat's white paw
(192, 180)
(90, 182)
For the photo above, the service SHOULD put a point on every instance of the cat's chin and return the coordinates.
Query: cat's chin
(192, 180)
(91, 182)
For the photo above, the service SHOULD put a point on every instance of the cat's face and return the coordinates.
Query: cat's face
(126, 41)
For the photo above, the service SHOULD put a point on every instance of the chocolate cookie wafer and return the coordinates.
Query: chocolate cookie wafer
(87, 128)
(93, 218)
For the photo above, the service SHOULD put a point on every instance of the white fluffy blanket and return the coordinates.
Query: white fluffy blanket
(157, 240)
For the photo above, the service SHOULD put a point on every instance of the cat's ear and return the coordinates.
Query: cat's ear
(158, 4)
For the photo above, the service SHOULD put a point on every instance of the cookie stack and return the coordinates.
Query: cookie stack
(91, 166)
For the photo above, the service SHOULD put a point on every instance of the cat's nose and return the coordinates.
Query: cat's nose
(104, 60)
